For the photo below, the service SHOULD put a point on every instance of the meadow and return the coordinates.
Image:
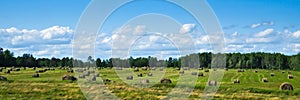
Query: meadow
(21, 85)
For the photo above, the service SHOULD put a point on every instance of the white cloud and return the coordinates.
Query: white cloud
(235, 34)
(296, 34)
(258, 40)
(264, 33)
(255, 25)
(54, 31)
(187, 28)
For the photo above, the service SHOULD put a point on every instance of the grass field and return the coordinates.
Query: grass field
(49, 85)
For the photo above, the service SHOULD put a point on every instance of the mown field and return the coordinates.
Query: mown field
(21, 85)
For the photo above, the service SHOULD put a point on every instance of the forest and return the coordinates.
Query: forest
(254, 60)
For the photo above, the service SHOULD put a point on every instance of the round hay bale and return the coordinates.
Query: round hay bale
(136, 69)
(161, 69)
(286, 86)
(33, 68)
(256, 71)
(2, 78)
(283, 72)
(236, 81)
(272, 74)
(226, 69)
(93, 78)
(212, 83)
(194, 73)
(1, 69)
(177, 68)
(97, 75)
(7, 72)
(150, 74)
(129, 77)
(154, 68)
(265, 80)
(241, 70)
(165, 80)
(206, 70)
(70, 71)
(17, 69)
(200, 68)
(186, 68)
(181, 72)
(81, 76)
(145, 81)
(200, 74)
(36, 75)
(144, 68)
(140, 75)
(69, 77)
(290, 76)
(106, 80)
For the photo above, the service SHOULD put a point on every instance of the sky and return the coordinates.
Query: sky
(46, 28)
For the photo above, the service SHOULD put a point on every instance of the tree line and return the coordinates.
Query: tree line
(255, 60)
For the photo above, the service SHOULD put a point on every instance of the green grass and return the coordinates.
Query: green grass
(50, 85)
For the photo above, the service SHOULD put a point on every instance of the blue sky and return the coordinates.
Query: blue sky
(45, 28)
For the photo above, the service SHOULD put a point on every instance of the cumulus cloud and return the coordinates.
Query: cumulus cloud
(264, 23)
(264, 33)
(296, 34)
(55, 31)
(27, 40)
(187, 28)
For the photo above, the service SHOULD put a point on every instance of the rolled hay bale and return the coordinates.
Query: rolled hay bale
(290, 76)
(241, 70)
(140, 75)
(87, 74)
(236, 81)
(212, 83)
(81, 76)
(206, 70)
(7, 72)
(165, 80)
(200, 74)
(265, 80)
(256, 71)
(181, 72)
(272, 74)
(2, 78)
(33, 68)
(286, 86)
(194, 73)
(177, 68)
(154, 68)
(144, 68)
(36, 75)
(283, 72)
(17, 69)
(40, 71)
(200, 68)
(97, 75)
(136, 69)
(106, 80)
(226, 69)
(186, 68)
(69, 77)
(150, 74)
(70, 71)
(129, 77)
(144, 81)
(93, 78)
(161, 69)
